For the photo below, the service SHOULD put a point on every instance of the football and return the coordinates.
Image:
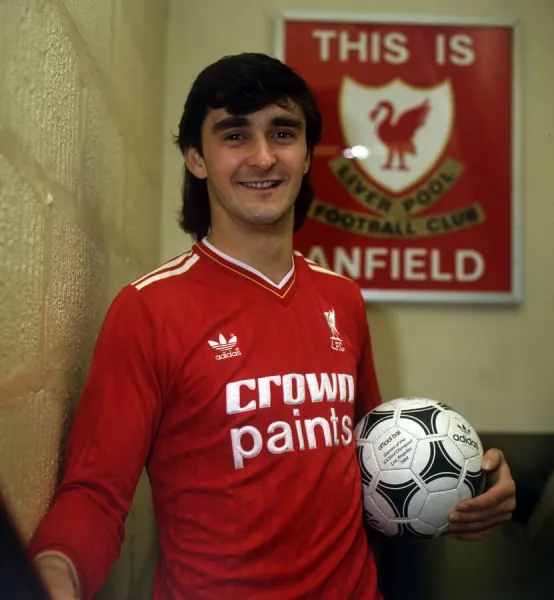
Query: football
(418, 459)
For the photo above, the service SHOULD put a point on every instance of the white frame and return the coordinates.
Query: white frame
(516, 295)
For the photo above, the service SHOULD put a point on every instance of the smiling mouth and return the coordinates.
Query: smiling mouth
(260, 185)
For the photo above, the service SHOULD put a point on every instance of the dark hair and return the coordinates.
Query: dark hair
(242, 84)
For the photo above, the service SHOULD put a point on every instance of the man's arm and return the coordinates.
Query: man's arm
(114, 427)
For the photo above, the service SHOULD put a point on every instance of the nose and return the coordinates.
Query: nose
(263, 156)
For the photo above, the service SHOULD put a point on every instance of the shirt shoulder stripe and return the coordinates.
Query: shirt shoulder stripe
(296, 253)
(318, 269)
(183, 268)
(174, 262)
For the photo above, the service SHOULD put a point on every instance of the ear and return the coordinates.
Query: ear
(307, 163)
(195, 163)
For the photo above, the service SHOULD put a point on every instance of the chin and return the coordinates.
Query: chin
(264, 220)
(267, 218)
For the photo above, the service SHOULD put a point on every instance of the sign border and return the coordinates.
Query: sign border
(515, 296)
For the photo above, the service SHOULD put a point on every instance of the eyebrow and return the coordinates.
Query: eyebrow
(236, 122)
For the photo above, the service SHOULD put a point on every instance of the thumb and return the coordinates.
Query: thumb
(492, 459)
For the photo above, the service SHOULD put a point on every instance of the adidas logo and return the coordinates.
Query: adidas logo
(465, 437)
(225, 348)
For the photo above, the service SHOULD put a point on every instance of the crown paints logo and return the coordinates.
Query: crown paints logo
(225, 348)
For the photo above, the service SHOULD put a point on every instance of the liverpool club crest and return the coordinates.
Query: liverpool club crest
(404, 128)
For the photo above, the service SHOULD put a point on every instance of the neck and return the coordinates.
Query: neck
(269, 252)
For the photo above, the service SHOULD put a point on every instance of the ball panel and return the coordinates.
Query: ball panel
(423, 421)
(438, 506)
(425, 417)
(421, 457)
(411, 402)
(464, 436)
(392, 529)
(368, 465)
(417, 503)
(374, 424)
(373, 516)
(473, 479)
(416, 528)
(444, 466)
(383, 504)
(409, 529)
(395, 449)
(394, 492)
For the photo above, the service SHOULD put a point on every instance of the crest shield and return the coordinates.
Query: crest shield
(405, 129)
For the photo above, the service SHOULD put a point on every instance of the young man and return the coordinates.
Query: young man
(236, 373)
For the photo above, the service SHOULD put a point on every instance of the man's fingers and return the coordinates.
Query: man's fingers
(486, 501)
(492, 459)
(476, 526)
(507, 506)
(472, 537)
(473, 519)
(490, 499)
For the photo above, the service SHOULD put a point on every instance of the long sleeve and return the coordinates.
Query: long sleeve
(111, 437)
(368, 394)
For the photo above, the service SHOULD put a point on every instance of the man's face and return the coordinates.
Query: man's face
(254, 165)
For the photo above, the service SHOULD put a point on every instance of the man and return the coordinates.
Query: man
(236, 373)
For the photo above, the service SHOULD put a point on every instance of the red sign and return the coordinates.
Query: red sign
(417, 177)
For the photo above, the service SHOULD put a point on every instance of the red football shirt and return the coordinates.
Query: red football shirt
(240, 396)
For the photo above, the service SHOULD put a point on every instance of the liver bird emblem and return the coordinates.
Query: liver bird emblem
(397, 132)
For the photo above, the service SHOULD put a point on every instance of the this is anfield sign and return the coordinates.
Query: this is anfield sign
(417, 176)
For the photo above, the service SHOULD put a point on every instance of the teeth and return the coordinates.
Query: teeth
(261, 184)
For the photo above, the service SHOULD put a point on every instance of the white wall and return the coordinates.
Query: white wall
(495, 365)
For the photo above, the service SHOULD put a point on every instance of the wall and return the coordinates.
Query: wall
(80, 182)
(493, 364)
